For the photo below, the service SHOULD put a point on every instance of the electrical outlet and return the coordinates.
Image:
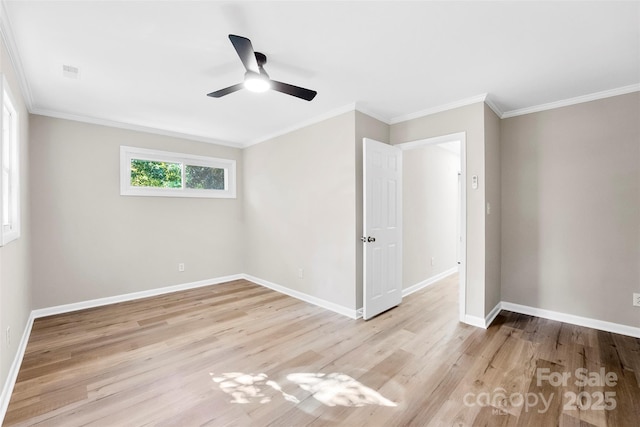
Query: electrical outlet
(636, 300)
(8, 337)
(181, 267)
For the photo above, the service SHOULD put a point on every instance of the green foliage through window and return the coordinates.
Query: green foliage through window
(147, 173)
(156, 174)
(204, 177)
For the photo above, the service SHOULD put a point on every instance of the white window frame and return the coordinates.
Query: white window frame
(127, 154)
(9, 167)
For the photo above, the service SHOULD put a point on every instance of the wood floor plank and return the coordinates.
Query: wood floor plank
(190, 358)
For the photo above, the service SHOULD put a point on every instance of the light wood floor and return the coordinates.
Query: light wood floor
(238, 354)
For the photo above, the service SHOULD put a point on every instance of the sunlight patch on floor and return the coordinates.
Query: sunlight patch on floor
(334, 389)
(246, 388)
(337, 389)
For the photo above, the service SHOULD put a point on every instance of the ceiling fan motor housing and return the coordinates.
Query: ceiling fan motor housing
(261, 58)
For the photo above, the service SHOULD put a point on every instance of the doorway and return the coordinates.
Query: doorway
(442, 265)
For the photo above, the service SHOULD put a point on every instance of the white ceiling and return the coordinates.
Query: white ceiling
(151, 63)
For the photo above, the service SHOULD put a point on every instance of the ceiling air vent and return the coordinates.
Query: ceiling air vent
(70, 72)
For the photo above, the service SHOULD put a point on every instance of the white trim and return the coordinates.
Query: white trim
(14, 55)
(452, 137)
(439, 109)
(428, 282)
(10, 382)
(449, 149)
(130, 126)
(359, 313)
(340, 309)
(572, 101)
(67, 308)
(15, 147)
(494, 107)
(367, 112)
(489, 318)
(354, 314)
(317, 119)
(478, 322)
(462, 268)
(572, 319)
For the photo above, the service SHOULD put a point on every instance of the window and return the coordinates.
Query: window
(146, 172)
(10, 177)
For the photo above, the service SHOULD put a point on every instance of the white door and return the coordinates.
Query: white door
(382, 234)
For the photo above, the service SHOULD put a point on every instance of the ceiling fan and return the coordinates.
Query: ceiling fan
(256, 78)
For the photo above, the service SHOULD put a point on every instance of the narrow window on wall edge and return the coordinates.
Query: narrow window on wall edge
(10, 162)
(145, 172)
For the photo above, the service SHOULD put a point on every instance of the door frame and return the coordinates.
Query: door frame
(462, 268)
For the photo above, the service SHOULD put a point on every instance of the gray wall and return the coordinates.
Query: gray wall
(469, 119)
(571, 209)
(90, 242)
(493, 239)
(300, 199)
(15, 282)
(430, 212)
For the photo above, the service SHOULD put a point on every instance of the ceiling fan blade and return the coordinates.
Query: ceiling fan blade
(245, 51)
(226, 91)
(299, 92)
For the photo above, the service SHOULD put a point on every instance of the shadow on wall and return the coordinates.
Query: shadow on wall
(521, 213)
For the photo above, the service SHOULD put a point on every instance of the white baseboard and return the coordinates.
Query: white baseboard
(479, 322)
(67, 308)
(304, 297)
(430, 281)
(492, 315)
(476, 321)
(616, 328)
(601, 325)
(10, 382)
(354, 314)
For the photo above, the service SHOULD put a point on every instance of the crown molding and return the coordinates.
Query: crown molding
(130, 126)
(6, 32)
(439, 109)
(317, 119)
(494, 107)
(355, 106)
(366, 111)
(573, 101)
(7, 36)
